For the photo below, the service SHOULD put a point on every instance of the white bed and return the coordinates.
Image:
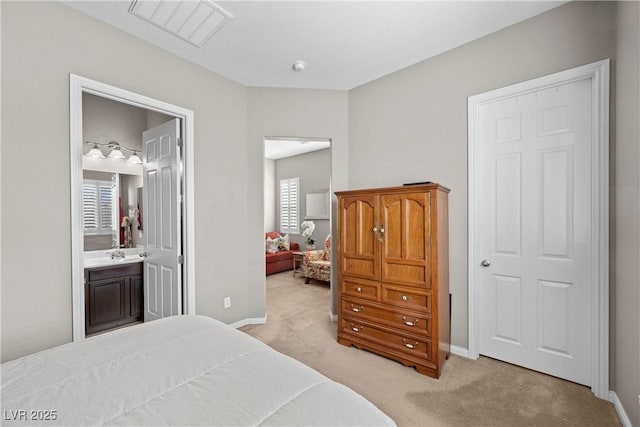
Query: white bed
(183, 370)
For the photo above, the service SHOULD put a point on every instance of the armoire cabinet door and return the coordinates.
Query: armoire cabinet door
(358, 237)
(406, 243)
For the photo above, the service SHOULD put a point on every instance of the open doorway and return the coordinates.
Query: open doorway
(144, 206)
(297, 210)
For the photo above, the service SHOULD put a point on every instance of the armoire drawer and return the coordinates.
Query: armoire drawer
(417, 347)
(396, 318)
(407, 298)
(360, 288)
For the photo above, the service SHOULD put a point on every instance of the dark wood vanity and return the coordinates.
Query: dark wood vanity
(113, 296)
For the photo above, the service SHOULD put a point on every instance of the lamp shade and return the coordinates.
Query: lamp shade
(95, 152)
(135, 159)
(116, 153)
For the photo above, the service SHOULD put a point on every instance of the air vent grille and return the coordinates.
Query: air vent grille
(192, 21)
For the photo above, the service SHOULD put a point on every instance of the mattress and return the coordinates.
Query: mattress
(181, 370)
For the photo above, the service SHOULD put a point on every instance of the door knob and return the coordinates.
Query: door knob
(485, 263)
(144, 255)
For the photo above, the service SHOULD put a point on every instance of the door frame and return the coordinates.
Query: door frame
(332, 232)
(598, 72)
(77, 86)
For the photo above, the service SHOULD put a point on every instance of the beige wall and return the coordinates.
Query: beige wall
(295, 113)
(625, 211)
(314, 171)
(105, 120)
(41, 44)
(421, 111)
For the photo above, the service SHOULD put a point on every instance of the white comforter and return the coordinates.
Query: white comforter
(183, 370)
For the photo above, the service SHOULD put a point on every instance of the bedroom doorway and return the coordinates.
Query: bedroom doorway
(167, 294)
(297, 205)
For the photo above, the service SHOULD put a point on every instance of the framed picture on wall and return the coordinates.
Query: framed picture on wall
(317, 205)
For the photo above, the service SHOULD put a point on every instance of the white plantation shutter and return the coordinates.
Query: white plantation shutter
(289, 198)
(98, 207)
(107, 217)
(90, 206)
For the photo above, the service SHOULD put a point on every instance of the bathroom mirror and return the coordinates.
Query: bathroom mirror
(108, 198)
(317, 204)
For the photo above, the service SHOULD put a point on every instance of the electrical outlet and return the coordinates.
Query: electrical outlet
(227, 302)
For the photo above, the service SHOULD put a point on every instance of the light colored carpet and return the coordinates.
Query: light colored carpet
(483, 392)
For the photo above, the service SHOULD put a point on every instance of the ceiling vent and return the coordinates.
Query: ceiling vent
(192, 21)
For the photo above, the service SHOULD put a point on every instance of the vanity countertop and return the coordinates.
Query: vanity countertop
(95, 259)
(105, 262)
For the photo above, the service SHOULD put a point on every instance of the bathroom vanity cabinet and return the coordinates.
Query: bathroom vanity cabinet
(113, 296)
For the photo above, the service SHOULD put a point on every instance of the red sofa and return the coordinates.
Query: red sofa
(280, 261)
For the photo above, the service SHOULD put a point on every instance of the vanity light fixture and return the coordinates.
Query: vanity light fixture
(115, 152)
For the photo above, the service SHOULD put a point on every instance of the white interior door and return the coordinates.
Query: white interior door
(161, 219)
(533, 220)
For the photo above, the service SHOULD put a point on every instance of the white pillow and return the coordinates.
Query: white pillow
(283, 243)
(271, 246)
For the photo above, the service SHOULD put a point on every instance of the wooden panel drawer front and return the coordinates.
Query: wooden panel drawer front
(411, 299)
(360, 289)
(417, 324)
(417, 347)
(100, 273)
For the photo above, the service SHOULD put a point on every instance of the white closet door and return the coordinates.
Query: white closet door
(533, 174)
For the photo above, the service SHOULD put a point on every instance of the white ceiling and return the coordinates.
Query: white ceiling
(280, 148)
(344, 43)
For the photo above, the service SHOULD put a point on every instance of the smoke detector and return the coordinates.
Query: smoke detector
(298, 66)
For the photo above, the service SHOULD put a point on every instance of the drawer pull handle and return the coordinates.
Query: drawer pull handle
(409, 345)
(355, 328)
(358, 289)
(405, 298)
(409, 322)
(356, 309)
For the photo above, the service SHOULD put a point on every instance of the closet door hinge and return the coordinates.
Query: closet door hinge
(179, 142)
(180, 259)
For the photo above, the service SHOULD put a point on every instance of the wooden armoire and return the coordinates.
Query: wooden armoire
(393, 273)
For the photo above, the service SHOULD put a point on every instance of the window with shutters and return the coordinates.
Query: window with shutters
(289, 201)
(98, 207)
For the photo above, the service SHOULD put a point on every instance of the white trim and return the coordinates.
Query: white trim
(249, 321)
(459, 351)
(333, 317)
(598, 72)
(77, 86)
(624, 419)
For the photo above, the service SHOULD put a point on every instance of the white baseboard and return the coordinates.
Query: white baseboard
(459, 351)
(249, 321)
(624, 419)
